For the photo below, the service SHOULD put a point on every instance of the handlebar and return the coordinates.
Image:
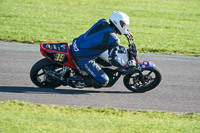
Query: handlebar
(129, 38)
(132, 48)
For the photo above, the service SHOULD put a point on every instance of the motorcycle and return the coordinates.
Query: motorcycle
(59, 68)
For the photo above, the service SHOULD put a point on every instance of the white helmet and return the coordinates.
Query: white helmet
(121, 21)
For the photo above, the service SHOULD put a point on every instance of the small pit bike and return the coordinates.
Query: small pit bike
(58, 68)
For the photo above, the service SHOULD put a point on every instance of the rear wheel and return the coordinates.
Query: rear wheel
(39, 74)
(152, 78)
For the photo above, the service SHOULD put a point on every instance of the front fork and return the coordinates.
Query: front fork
(141, 76)
(138, 68)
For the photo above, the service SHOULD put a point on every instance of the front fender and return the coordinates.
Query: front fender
(147, 64)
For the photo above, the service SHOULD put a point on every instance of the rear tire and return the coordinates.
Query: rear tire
(39, 76)
(152, 79)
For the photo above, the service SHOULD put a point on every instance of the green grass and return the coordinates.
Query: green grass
(159, 26)
(23, 117)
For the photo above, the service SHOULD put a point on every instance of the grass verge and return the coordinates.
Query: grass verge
(25, 117)
(159, 26)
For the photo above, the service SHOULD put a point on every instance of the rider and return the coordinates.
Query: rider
(99, 38)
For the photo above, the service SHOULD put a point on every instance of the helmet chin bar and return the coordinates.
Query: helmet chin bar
(121, 22)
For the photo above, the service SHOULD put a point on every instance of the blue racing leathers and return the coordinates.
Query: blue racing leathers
(87, 47)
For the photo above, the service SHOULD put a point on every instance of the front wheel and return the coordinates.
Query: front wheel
(39, 74)
(152, 78)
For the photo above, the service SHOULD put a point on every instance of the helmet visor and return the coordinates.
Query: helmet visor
(124, 27)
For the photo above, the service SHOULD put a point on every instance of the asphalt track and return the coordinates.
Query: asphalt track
(179, 90)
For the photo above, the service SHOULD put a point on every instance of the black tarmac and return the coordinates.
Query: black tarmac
(179, 90)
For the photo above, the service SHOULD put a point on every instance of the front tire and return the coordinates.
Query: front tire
(39, 76)
(152, 78)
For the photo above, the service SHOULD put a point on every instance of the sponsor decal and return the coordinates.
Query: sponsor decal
(54, 47)
(147, 64)
(48, 46)
(89, 70)
(150, 64)
(63, 47)
(75, 46)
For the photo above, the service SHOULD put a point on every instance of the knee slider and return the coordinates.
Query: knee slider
(105, 81)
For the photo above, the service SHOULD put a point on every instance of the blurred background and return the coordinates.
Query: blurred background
(158, 26)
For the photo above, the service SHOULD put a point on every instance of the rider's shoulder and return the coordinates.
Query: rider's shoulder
(103, 22)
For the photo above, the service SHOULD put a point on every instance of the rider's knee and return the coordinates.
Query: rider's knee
(104, 81)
